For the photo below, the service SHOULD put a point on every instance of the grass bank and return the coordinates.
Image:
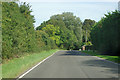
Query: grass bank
(15, 67)
(107, 57)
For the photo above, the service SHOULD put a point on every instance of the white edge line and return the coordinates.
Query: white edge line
(35, 66)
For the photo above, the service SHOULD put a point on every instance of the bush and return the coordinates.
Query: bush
(105, 34)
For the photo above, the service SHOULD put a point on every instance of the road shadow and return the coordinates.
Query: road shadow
(108, 67)
(74, 53)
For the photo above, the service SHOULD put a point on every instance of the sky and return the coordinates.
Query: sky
(84, 9)
(70, 0)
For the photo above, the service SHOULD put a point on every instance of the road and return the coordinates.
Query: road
(74, 64)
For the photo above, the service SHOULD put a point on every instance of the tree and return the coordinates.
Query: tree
(105, 34)
(69, 28)
(29, 27)
(44, 42)
(87, 25)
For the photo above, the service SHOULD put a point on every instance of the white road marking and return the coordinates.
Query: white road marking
(52, 55)
(34, 66)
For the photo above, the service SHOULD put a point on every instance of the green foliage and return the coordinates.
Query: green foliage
(12, 26)
(65, 29)
(44, 42)
(105, 34)
(18, 34)
(87, 26)
(62, 30)
(28, 26)
(53, 33)
(88, 43)
(107, 57)
(17, 66)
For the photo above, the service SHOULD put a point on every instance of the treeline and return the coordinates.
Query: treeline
(105, 34)
(64, 31)
(67, 30)
(18, 34)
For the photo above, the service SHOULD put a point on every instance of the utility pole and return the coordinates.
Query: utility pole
(86, 36)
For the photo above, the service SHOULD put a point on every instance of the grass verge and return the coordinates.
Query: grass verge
(15, 67)
(115, 59)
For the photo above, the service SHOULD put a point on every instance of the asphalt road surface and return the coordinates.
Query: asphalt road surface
(74, 64)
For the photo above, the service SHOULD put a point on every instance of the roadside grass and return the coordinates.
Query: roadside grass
(17, 66)
(115, 59)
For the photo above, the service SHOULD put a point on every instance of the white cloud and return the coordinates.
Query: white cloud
(69, 0)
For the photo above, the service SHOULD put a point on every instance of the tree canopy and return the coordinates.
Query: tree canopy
(65, 29)
(105, 34)
(18, 33)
